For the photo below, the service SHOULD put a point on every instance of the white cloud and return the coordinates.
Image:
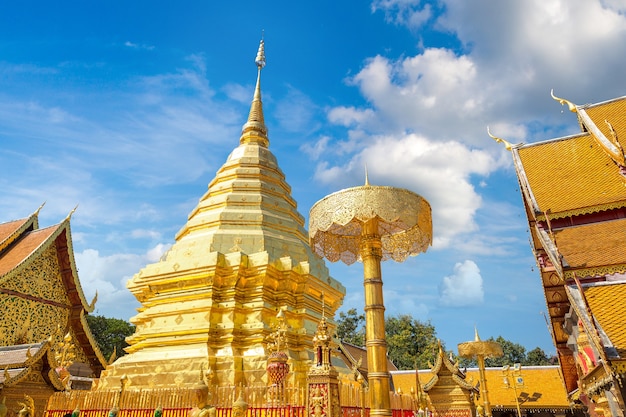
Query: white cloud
(439, 171)
(134, 45)
(107, 274)
(317, 149)
(464, 287)
(404, 12)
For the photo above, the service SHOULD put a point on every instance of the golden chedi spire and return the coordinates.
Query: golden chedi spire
(242, 252)
(255, 131)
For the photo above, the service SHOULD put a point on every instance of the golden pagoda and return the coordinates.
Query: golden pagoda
(209, 304)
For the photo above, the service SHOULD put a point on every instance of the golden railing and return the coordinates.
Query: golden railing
(177, 402)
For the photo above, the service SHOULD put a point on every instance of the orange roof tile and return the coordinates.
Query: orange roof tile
(571, 175)
(8, 228)
(23, 248)
(593, 246)
(606, 302)
(543, 386)
(612, 111)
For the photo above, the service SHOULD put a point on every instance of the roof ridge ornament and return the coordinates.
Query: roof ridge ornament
(507, 144)
(572, 107)
(255, 131)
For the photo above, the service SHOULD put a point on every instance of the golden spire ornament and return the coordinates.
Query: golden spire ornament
(255, 131)
(481, 349)
(372, 223)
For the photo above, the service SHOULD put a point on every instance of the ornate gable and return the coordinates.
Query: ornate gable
(449, 393)
(40, 293)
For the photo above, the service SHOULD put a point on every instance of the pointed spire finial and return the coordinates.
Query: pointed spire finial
(476, 337)
(367, 180)
(39, 209)
(255, 131)
(69, 216)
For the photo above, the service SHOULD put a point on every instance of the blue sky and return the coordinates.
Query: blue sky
(129, 108)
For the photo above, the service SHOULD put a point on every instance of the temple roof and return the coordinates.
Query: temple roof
(605, 301)
(581, 178)
(543, 387)
(593, 249)
(11, 230)
(23, 248)
(354, 355)
(22, 243)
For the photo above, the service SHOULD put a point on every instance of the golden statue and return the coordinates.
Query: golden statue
(240, 407)
(28, 408)
(3, 407)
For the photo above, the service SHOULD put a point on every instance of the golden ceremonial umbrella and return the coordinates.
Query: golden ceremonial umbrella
(373, 224)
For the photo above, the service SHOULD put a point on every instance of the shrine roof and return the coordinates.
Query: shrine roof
(606, 301)
(543, 387)
(24, 247)
(569, 176)
(595, 249)
(19, 355)
(9, 228)
(352, 355)
(12, 230)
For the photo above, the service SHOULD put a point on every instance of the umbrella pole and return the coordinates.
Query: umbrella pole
(376, 344)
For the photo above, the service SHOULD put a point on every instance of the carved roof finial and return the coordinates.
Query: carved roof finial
(69, 216)
(507, 145)
(255, 131)
(571, 106)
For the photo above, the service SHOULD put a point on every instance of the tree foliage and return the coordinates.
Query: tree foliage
(110, 334)
(412, 343)
(351, 327)
(409, 341)
(512, 353)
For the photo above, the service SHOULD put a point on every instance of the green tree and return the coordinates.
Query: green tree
(410, 342)
(538, 357)
(512, 353)
(350, 327)
(110, 334)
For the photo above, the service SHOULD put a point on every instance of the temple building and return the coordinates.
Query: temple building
(243, 257)
(574, 193)
(45, 343)
(446, 390)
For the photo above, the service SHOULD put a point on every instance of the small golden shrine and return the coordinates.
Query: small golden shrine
(574, 193)
(44, 337)
(242, 256)
(448, 391)
(323, 383)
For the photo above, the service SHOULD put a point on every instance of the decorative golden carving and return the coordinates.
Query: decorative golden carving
(404, 223)
(507, 145)
(28, 407)
(571, 106)
(480, 350)
(3, 407)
